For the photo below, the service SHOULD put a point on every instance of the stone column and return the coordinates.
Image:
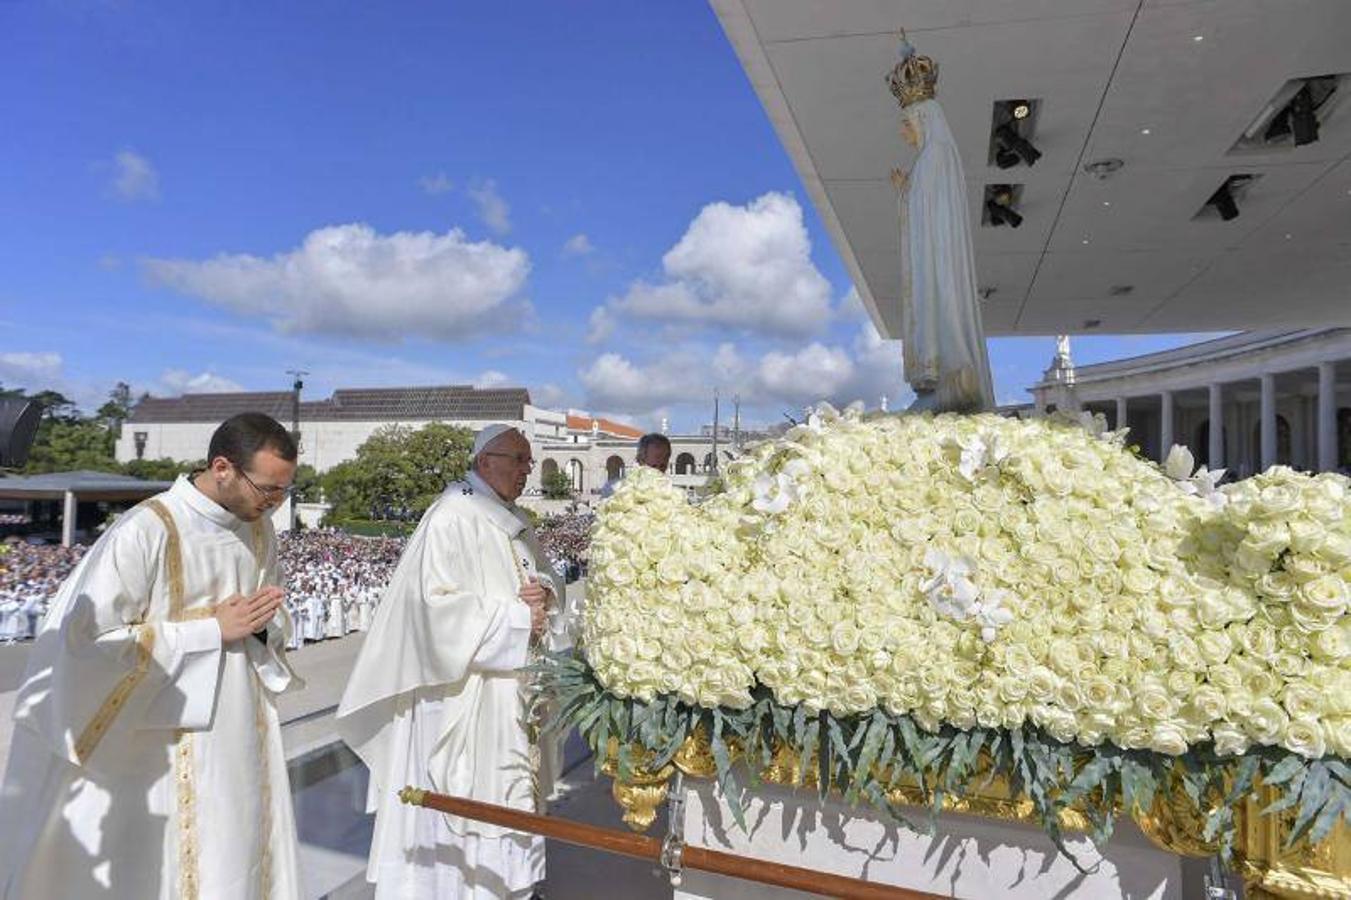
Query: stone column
(1327, 417)
(1165, 424)
(1216, 447)
(1268, 422)
(68, 516)
(1120, 414)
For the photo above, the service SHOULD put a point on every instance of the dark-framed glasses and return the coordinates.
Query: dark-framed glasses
(268, 491)
(523, 461)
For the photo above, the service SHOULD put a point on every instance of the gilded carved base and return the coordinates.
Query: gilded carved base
(1303, 872)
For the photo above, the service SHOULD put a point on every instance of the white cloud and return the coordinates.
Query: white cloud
(179, 381)
(548, 395)
(851, 307)
(45, 371)
(492, 209)
(578, 245)
(134, 177)
(744, 267)
(600, 326)
(865, 369)
(32, 371)
(614, 382)
(490, 378)
(435, 184)
(349, 280)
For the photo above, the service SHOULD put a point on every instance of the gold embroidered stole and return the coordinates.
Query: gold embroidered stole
(183, 759)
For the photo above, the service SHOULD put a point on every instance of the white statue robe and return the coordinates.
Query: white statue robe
(147, 758)
(435, 701)
(943, 341)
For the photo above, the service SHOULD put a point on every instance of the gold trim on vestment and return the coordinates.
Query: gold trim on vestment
(186, 790)
(103, 719)
(265, 788)
(173, 559)
(185, 787)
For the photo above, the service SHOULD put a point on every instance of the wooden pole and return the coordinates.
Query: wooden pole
(648, 848)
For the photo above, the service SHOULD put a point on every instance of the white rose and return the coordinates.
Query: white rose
(1167, 738)
(1305, 737)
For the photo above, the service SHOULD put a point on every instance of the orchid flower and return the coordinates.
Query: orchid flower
(979, 451)
(991, 615)
(773, 494)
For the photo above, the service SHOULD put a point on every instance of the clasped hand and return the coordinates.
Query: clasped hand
(536, 596)
(241, 616)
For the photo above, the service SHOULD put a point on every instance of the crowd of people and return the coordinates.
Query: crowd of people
(29, 577)
(333, 580)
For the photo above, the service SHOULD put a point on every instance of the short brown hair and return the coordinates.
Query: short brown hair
(239, 437)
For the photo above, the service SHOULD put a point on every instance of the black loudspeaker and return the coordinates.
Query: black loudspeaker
(18, 426)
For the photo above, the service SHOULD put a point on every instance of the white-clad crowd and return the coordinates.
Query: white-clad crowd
(333, 580)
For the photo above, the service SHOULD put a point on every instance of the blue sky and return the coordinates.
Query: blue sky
(586, 199)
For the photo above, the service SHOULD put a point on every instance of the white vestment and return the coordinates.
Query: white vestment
(336, 624)
(13, 621)
(435, 701)
(314, 618)
(364, 610)
(147, 758)
(943, 343)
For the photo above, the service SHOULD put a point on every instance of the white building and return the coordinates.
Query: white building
(1282, 397)
(331, 430)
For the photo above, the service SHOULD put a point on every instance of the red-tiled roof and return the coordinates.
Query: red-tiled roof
(584, 423)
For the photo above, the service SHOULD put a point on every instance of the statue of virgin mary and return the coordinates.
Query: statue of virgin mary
(946, 363)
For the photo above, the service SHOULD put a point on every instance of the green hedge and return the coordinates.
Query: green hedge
(373, 528)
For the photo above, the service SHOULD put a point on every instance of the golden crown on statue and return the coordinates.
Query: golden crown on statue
(914, 78)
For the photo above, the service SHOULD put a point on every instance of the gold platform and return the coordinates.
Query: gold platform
(1303, 872)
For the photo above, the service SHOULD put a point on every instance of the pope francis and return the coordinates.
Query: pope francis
(435, 698)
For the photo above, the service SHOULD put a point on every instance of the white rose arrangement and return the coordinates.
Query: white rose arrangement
(980, 570)
(938, 597)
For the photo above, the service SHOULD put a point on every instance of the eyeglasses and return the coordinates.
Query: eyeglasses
(524, 461)
(270, 492)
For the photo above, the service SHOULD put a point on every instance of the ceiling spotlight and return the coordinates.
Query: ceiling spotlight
(1011, 141)
(1198, 38)
(1021, 109)
(1227, 197)
(1303, 122)
(999, 206)
(1144, 131)
(1224, 204)
(1295, 118)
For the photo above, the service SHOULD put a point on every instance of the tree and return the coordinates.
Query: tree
(557, 486)
(56, 407)
(308, 486)
(159, 469)
(398, 472)
(118, 408)
(62, 446)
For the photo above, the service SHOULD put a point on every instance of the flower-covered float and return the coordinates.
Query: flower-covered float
(989, 614)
